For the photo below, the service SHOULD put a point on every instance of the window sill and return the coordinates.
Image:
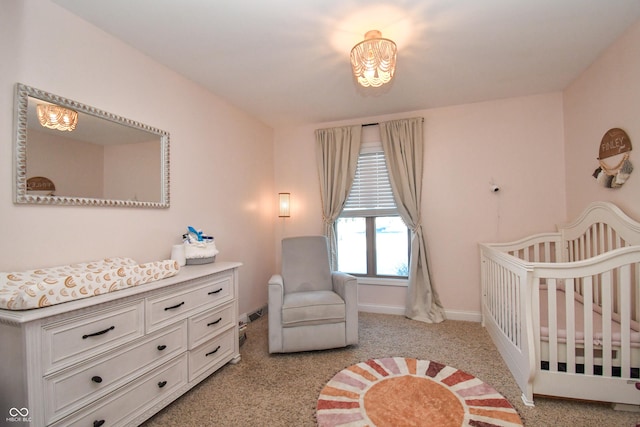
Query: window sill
(378, 281)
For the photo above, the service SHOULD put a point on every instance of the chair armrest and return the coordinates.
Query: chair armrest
(346, 286)
(275, 300)
(276, 291)
(342, 282)
(276, 279)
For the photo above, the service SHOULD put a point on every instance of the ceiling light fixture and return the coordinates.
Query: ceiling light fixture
(57, 117)
(374, 60)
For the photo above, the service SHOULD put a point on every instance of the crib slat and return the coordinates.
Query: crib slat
(507, 306)
(535, 313)
(570, 251)
(512, 325)
(518, 318)
(497, 288)
(625, 320)
(552, 311)
(547, 252)
(609, 240)
(503, 279)
(636, 292)
(570, 310)
(588, 325)
(490, 284)
(606, 322)
(602, 248)
(593, 251)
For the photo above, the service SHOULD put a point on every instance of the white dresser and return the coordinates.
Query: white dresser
(118, 358)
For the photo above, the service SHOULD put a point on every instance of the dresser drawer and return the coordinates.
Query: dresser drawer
(72, 388)
(178, 305)
(122, 407)
(212, 354)
(205, 326)
(77, 338)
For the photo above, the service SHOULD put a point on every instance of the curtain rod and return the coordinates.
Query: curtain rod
(376, 124)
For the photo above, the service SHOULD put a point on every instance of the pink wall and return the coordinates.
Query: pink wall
(132, 171)
(74, 167)
(515, 142)
(221, 159)
(605, 96)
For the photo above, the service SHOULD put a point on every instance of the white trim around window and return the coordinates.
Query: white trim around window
(382, 281)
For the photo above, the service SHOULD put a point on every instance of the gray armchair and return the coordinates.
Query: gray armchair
(311, 307)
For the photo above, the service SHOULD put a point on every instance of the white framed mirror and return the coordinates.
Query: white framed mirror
(68, 153)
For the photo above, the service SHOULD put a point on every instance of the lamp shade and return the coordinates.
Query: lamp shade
(374, 60)
(284, 205)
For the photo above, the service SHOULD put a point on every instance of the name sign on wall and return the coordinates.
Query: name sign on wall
(615, 142)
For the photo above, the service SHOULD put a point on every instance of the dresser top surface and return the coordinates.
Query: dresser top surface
(186, 273)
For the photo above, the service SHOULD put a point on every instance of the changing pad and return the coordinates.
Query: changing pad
(48, 286)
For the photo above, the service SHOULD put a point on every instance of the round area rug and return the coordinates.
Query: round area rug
(409, 392)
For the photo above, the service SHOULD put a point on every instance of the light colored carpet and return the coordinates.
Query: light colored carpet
(282, 390)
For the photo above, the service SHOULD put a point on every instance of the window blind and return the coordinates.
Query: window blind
(370, 193)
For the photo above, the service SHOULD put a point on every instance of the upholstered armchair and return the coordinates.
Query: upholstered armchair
(310, 306)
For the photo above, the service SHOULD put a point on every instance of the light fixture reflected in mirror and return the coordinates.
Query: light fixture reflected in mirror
(57, 117)
(285, 205)
(374, 60)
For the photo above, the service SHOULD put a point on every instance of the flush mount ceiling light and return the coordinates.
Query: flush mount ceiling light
(57, 117)
(374, 60)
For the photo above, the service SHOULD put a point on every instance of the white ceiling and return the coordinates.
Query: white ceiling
(287, 61)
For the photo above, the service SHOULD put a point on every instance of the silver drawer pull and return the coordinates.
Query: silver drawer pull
(214, 292)
(174, 306)
(212, 352)
(96, 379)
(214, 322)
(162, 384)
(84, 337)
(98, 423)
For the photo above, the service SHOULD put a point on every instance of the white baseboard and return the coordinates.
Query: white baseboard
(381, 309)
(467, 316)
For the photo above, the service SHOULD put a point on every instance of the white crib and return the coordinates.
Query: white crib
(563, 308)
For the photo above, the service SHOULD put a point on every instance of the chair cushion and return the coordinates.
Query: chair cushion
(305, 264)
(312, 308)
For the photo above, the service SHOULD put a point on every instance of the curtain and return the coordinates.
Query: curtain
(337, 151)
(403, 149)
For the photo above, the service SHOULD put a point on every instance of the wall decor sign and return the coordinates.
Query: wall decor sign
(615, 142)
(41, 184)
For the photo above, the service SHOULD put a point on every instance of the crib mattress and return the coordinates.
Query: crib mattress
(48, 286)
(579, 321)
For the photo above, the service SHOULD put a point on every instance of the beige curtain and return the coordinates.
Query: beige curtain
(403, 148)
(337, 151)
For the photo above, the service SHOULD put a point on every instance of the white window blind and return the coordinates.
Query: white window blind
(370, 193)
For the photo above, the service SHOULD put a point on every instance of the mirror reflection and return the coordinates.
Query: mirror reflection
(70, 153)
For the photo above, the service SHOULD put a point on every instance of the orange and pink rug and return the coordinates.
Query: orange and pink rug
(409, 392)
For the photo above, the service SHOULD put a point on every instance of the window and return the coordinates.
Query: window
(372, 238)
